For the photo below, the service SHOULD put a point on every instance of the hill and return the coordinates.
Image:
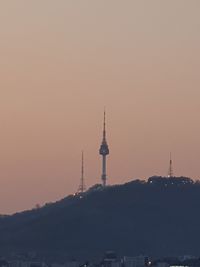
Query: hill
(157, 217)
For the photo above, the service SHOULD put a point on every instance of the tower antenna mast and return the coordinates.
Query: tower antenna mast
(82, 186)
(170, 171)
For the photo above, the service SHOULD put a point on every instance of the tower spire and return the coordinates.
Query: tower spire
(170, 171)
(104, 151)
(82, 186)
(104, 125)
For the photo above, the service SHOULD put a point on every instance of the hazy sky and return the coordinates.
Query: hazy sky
(62, 61)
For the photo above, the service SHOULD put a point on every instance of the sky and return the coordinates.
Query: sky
(62, 61)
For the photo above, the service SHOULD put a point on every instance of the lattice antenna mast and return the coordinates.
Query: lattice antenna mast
(170, 171)
(82, 186)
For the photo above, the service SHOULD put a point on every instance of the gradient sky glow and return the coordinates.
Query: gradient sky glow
(62, 61)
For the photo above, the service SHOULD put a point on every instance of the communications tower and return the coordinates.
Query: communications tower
(170, 172)
(82, 186)
(104, 151)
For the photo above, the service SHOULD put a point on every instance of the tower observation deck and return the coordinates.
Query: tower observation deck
(104, 151)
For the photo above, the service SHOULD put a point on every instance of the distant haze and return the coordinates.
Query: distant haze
(63, 61)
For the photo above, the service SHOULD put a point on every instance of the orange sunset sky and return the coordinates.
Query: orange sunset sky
(62, 61)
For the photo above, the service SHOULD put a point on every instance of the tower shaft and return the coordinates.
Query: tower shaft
(104, 176)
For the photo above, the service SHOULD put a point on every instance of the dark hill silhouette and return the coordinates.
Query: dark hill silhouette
(157, 217)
